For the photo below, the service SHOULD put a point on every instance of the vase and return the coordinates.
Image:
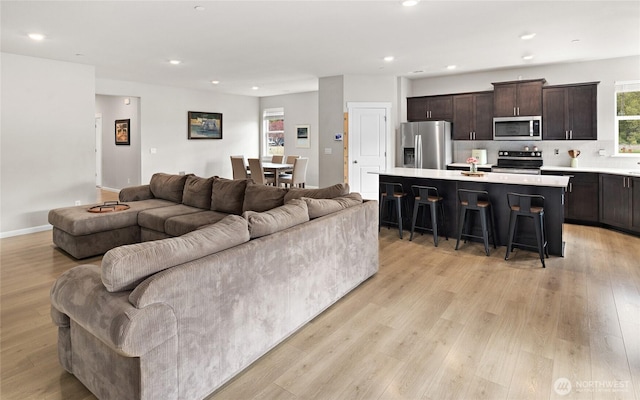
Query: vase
(473, 167)
(574, 162)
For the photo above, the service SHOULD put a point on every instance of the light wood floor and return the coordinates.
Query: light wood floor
(434, 323)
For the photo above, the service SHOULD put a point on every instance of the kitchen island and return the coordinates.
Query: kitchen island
(498, 185)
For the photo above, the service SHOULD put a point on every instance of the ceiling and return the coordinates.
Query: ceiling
(285, 46)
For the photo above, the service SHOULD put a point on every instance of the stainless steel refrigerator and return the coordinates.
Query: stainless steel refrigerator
(424, 144)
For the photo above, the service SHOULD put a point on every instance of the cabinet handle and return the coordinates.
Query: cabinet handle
(571, 134)
(518, 110)
(514, 111)
(474, 136)
(470, 135)
(570, 187)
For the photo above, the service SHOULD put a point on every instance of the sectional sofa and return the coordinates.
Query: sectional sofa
(175, 316)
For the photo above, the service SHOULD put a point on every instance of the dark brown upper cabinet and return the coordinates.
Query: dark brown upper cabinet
(430, 108)
(518, 98)
(570, 112)
(473, 116)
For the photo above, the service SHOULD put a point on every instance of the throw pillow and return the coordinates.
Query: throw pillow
(262, 197)
(197, 192)
(265, 223)
(320, 207)
(167, 187)
(330, 192)
(227, 195)
(124, 267)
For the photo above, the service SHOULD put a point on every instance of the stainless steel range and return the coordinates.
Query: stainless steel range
(518, 162)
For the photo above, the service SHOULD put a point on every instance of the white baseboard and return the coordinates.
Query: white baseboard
(26, 231)
(109, 189)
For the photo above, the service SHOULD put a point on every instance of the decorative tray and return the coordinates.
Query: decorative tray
(109, 206)
(469, 173)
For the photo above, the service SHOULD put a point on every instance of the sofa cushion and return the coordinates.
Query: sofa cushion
(155, 219)
(126, 266)
(228, 195)
(321, 207)
(197, 192)
(265, 223)
(167, 187)
(262, 197)
(177, 226)
(330, 192)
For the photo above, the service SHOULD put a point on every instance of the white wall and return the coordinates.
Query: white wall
(604, 71)
(163, 127)
(331, 107)
(299, 109)
(120, 163)
(47, 140)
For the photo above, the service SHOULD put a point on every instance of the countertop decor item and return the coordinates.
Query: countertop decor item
(473, 164)
(574, 157)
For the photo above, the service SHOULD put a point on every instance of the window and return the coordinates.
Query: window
(273, 129)
(628, 117)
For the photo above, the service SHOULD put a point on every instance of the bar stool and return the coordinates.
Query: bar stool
(476, 200)
(392, 194)
(530, 206)
(428, 196)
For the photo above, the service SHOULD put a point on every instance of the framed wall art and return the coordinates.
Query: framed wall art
(302, 136)
(123, 133)
(204, 125)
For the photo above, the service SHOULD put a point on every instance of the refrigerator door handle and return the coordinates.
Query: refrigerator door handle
(418, 147)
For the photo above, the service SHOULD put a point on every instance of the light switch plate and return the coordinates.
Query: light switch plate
(327, 150)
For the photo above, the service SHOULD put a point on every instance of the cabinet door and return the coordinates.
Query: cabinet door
(483, 113)
(614, 200)
(635, 204)
(582, 102)
(529, 98)
(462, 117)
(554, 115)
(417, 108)
(582, 197)
(440, 108)
(504, 100)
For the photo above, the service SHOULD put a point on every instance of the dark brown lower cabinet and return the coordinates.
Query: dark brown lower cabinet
(581, 199)
(620, 201)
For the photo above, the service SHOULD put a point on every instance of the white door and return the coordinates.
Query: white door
(98, 150)
(368, 131)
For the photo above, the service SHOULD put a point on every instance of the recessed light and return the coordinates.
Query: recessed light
(450, 67)
(255, 88)
(527, 36)
(36, 36)
(417, 71)
(575, 41)
(528, 57)
(410, 3)
(199, 8)
(388, 58)
(175, 62)
(215, 82)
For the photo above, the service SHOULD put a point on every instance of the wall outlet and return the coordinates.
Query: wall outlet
(128, 180)
(181, 172)
(153, 150)
(556, 151)
(602, 152)
(78, 202)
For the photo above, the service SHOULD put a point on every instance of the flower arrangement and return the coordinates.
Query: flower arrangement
(473, 164)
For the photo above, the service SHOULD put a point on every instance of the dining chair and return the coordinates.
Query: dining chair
(291, 159)
(299, 174)
(257, 173)
(239, 167)
(277, 159)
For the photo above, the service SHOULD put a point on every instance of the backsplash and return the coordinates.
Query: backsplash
(589, 152)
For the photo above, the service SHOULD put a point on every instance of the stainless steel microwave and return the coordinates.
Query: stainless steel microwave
(517, 128)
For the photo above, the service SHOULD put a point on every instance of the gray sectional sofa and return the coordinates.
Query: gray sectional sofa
(177, 317)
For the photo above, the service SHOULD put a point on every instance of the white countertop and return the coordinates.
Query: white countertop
(488, 177)
(596, 170)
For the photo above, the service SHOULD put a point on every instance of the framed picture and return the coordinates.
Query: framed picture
(302, 136)
(204, 125)
(123, 134)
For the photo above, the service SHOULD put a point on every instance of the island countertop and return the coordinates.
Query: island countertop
(488, 177)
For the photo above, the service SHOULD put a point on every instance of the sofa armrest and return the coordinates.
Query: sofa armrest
(80, 295)
(136, 193)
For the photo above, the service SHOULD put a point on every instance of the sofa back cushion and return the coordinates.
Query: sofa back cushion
(167, 187)
(124, 267)
(262, 197)
(265, 223)
(228, 195)
(197, 192)
(320, 207)
(330, 192)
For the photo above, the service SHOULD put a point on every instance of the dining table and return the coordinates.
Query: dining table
(276, 169)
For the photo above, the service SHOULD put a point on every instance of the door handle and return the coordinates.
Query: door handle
(355, 161)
